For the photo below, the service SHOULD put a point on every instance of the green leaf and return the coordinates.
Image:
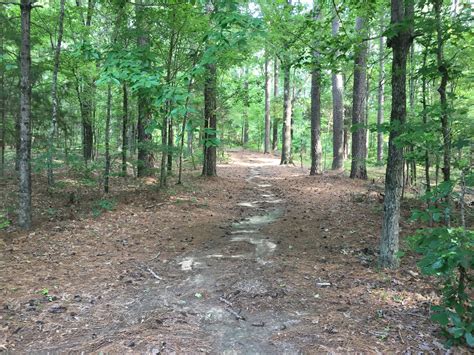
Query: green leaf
(469, 339)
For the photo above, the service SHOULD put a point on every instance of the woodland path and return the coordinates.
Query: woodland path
(263, 259)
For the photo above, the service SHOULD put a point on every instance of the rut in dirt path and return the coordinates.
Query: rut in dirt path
(232, 273)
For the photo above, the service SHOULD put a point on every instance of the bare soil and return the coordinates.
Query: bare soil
(262, 259)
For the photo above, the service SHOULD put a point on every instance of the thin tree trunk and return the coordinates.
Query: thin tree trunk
(267, 147)
(402, 13)
(337, 111)
(443, 70)
(245, 136)
(124, 129)
(107, 140)
(380, 94)
(275, 96)
(286, 132)
(170, 146)
(359, 147)
(54, 95)
(183, 131)
(24, 215)
(425, 122)
(210, 123)
(3, 101)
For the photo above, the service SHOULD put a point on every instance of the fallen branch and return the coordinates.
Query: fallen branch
(230, 310)
(154, 274)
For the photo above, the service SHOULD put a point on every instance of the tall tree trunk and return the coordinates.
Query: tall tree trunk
(183, 131)
(86, 92)
(316, 147)
(54, 95)
(246, 109)
(124, 129)
(145, 140)
(425, 121)
(24, 215)
(210, 123)
(275, 96)
(359, 147)
(107, 140)
(443, 71)
(380, 94)
(3, 100)
(337, 111)
(170, 146)
(286, 131)
(266, 145)
(400, 42)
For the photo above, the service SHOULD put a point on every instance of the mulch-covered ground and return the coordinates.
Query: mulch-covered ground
(174, 271)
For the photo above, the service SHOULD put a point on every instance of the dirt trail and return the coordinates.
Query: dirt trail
(262, 260)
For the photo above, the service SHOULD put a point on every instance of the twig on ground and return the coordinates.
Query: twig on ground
(154, 274)
(230, 310)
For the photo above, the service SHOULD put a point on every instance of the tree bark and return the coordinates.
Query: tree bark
(124, 129)
(54, 95)
(266, 146)
(316, 148)
(359, 134)
(380, 95)
(145, 139)
(24, 215)
(400, 42)
(337, 112)
(425, 121)
(107, 140)
(275, 96)
(286, 131)
(3, 97)
(210, 123)
(245, 136)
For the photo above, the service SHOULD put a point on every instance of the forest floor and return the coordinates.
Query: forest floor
(262, 259)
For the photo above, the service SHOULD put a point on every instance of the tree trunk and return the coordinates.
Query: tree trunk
(286, 132)
(359, 147)
(380, 95)
(245, 136)
(170, 146)
(443, 71)
(145, 140)
(3, 101)
(400, 42)
(210, 123)
(337, 111)
(316, 148)
(266, 148)
(183, 131)
(275, 96)
(425, 122)
(124, 129)
(54, 95)
(107, 140)
(24, 215)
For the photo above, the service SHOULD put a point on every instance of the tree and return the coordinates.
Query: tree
(145, 139)
(267, 147)
(24, 215)
(402, 22)
(54, 95)
(359, 133)
(380, 94)
(210, 122)
(275, 96)
(337, 111)
(316, 148)
(286, 131)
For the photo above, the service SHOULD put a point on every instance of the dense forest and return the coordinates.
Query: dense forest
(110, 106)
